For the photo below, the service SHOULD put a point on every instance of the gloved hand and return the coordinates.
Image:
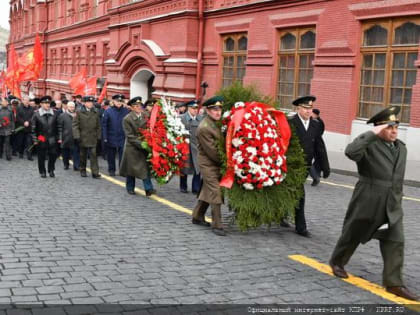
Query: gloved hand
(326, 173)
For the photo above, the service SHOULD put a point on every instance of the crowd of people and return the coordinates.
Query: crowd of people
(82, 129)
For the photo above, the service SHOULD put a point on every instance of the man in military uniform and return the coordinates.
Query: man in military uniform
(309, 134)
(46, 135)
(375, 208)
(134, 161)
(86, 133)
(209, 161)
(191, 120)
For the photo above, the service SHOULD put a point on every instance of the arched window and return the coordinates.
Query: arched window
(235, 48)
(295, 70)
(388, 73)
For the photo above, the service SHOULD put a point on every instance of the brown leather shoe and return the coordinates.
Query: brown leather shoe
(403, 292)
(338, 271)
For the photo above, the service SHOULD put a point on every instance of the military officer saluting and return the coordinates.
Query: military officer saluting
(375, 208)
(208, 136)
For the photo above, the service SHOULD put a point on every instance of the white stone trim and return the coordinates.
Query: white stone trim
(57, 81)
(152, 18)
(110, 61)
(174, 94)
(157, 51)
(239, 5)
(116, 87)
(186, 60)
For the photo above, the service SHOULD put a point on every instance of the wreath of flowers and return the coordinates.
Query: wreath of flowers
(258, 154)
(165, 138)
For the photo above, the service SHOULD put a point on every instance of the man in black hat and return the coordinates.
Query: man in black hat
(375, 208)
(134, 161)
(208, 137)
(23, 119)
(191, 120)
(46, 135)
(181, 108)
(309, 134)
(113, 132)
(86, 133)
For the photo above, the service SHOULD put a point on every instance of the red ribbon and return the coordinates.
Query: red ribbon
(153, 118)
(283, 131)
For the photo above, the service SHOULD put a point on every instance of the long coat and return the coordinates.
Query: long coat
(65, 120)
(134, 161)
(24, 113)
(6, 114)
(209, 161)
(311, 142)
(44, 123)
(191, 125)
(378, 194)
(112, 129)
(87, 127)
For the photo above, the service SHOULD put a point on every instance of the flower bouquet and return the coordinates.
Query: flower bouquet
(5, 121)
(40, 138)
(165, 138)
(264, 167)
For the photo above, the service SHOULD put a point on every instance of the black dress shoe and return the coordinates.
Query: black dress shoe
(9, 158)
(184, 191)
(403, 292)
(219, 232)
(315, 182)
(30, 158)
(96, 176)
(83, 173)
(51, 174)
(150, 192)
(338, 271)
(20, 156)
(199, 222)
(14, 153)
(131, 192)
(76, 169)
(304, 233)
(111, 173)
(43, 175)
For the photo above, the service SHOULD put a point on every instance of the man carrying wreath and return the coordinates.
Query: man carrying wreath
(209, 162)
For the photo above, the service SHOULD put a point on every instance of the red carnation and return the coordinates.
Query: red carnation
(41, 138)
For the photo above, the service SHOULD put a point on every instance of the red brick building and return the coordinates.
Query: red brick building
(355, 56)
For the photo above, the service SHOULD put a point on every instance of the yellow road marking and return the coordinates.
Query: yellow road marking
(139, 191)
(352, 187)
(358, 282)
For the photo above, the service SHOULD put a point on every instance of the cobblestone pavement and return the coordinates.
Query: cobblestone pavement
(74, 240)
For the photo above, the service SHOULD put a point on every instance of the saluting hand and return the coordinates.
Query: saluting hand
(377, 129)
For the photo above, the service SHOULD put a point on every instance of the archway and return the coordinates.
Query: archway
(141, 84)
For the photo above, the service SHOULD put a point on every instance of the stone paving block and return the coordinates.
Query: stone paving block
(49, 289)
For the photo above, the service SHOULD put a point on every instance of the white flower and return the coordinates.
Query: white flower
(236, 142)
(239, 104)
(226, 114)
(252, 150)
(268, 183)
(248, 186)
(247, 116)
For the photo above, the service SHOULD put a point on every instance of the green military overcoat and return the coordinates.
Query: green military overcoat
(87, 127)
(209, 162)
(134, 157)
(378, 194)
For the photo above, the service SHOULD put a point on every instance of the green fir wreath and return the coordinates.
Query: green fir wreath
(269, 205)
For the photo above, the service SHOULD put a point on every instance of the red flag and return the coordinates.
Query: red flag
(3, 84)
(13, 69)
(78, 82)
(103, 92)
(90, 86)
(31, 62)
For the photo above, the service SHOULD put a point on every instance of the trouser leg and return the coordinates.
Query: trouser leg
(42, 153)
(27, 144)
(51, 161)
(2, 145)
(111, 158)
(147, 184)
(83, 158)
(300, 220)
(196, 182)
(130, 183)
(393, 257)
(66, 157)
(120, 154)
(7, 147)
(20, 139)
(76, 156)
(343, 251)
(94, 161)
(314, 173)
(216, 216)
(200, 210)
(183, 182)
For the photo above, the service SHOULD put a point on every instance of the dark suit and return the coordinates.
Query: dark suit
(312, 145)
